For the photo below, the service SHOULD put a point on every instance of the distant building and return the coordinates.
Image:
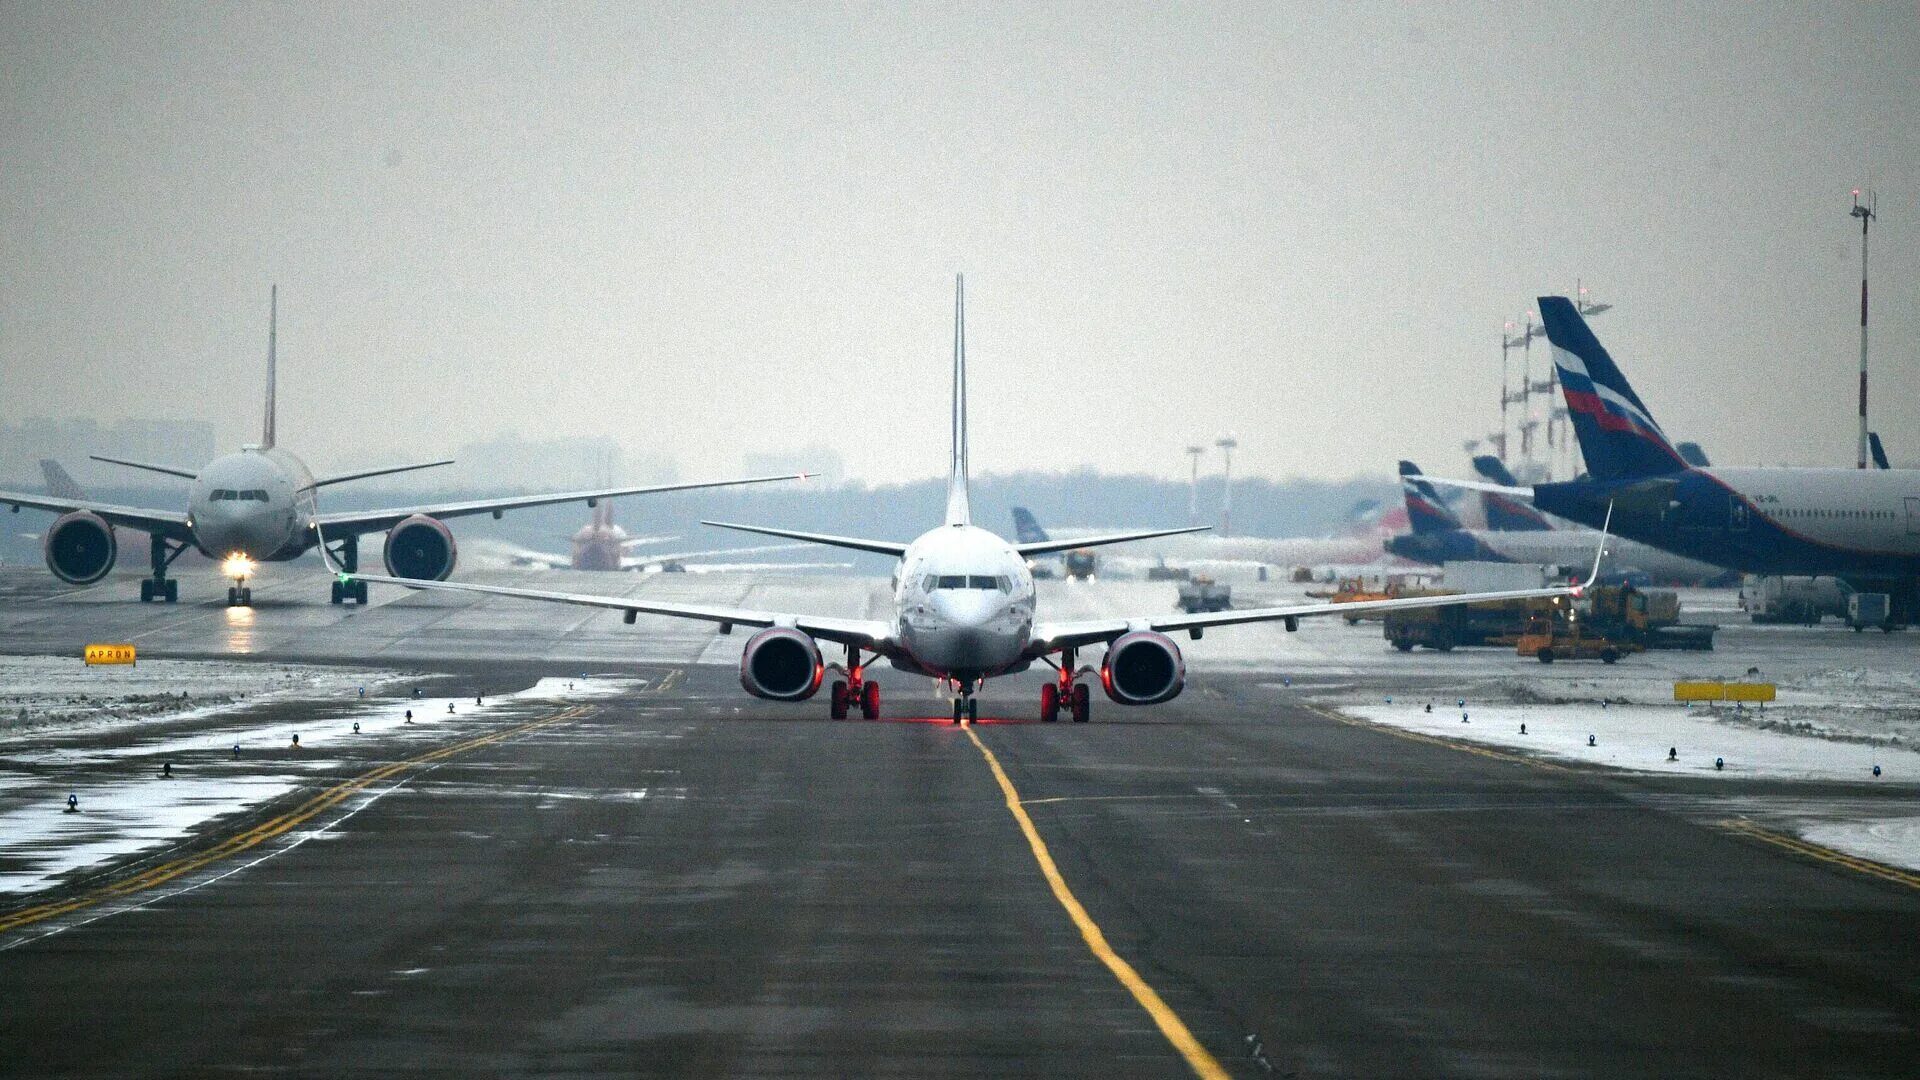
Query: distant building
(186, 443)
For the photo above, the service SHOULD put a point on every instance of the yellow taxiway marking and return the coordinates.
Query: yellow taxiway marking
(1743, 827)
(1440, 740)
(1169, 1022)
(267, 830)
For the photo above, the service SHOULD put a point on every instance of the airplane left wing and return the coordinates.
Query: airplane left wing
(1047, 547)
(364, 521)
(1051, 637)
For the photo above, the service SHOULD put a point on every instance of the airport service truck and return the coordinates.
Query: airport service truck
(1205, 594)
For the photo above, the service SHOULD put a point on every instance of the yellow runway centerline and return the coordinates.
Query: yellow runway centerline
(1169, 1022)
(267, 830)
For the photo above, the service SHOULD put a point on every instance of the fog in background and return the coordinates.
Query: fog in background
(705, 235)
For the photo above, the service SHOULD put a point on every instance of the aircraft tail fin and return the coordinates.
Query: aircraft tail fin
(1692, 454)
(60, 485)
(1504, 512)
(273, 334)
(1425, 512)
(1879, 451)
(1026, 527)
(1617, 434)
(959, 512)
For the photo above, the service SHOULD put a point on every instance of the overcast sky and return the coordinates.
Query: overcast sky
(715, 231)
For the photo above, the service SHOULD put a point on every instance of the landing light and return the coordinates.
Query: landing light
(237, 567)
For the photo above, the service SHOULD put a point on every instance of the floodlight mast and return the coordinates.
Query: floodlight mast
(1226, 443)
(1193, 485)
(1866, 213)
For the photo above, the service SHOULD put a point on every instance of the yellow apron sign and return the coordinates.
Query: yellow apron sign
(109, 654)
(1713, 691)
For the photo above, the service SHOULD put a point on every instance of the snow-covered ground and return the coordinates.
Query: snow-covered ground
(126, 806)
(41, 695)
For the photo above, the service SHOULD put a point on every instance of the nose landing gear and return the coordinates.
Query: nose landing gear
(966, 708)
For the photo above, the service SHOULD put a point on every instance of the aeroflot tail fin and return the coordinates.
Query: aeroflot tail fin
(1879, 451)
(1504, 512)
(1026, 527)
(59, 484)
(1617, 433)
(959, 512)
(1425, 512)
(1692, 454)
(273, 333)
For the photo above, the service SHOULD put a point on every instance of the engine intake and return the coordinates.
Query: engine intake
(1143, 668)
(80, 548)
(781, 664)
(421, 548)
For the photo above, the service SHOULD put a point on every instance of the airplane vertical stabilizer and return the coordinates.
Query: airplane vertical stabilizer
(273, 332)
(958, 510)
(1618, 436)
(1425, 512)
(1504, 512)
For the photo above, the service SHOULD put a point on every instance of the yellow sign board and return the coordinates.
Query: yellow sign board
(109, 654)
(1699, 691)
(1714, 691)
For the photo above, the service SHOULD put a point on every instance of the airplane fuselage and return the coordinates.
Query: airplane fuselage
(256, 503)
(1844, 522)
(963, 604)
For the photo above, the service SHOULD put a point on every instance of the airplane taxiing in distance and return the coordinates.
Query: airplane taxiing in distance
(258, 505)
(964, 610)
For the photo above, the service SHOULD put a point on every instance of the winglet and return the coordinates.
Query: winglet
(273, 334)
(1597, 555)
(958, 510)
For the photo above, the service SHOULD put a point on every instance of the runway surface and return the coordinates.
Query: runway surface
(682, 881)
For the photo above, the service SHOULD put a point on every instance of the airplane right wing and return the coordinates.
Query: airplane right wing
(168, 523)
(866, 633)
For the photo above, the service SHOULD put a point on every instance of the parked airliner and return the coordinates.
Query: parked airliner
(964, 610)
(1862, 525)
(258, 505)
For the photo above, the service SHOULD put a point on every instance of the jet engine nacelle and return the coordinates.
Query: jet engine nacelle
(782, 664)
(1143, 668)
(80, 548)
(421, 548)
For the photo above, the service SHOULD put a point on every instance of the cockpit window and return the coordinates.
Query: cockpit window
(224, 494)
(983, 581)
(951, 581)
(1000, 583)
(257, 495)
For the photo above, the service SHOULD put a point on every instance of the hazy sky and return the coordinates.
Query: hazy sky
(711, 231)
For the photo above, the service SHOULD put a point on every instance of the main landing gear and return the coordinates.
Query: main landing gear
(346, 552)
(1065, 693)
(856, 691)
(159, 586)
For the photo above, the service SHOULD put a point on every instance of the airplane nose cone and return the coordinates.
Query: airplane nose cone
(966, 610)
(224, 532)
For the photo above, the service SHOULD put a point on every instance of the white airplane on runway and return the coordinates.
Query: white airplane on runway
(964, 611)
(258, 506)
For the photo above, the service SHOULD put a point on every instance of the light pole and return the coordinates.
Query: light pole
(1866, 215)
(1193, 485)
(1226, 443)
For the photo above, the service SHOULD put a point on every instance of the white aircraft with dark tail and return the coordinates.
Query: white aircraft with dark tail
(964, 611)
(258, 505)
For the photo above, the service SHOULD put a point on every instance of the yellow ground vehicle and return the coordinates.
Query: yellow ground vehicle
(1562, 634)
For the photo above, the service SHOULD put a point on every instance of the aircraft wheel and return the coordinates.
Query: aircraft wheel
(959, 710)
(837, 701)
(973, 709)
(1049, 703)
(173, 591)
(870, 701)
(337, 593)
(146, 590)
(1082, 703)
(360, 592)
(246, 597)
(233, 596)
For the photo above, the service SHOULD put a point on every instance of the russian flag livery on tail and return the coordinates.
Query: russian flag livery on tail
(1504, 512)
(1425, 512)
(1616, 431)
